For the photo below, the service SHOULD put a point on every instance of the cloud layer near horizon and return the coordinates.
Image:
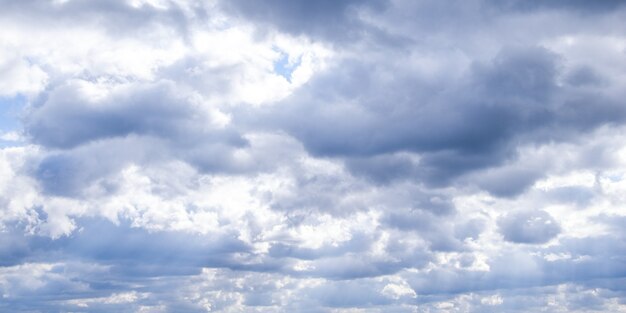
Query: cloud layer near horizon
(312, 156)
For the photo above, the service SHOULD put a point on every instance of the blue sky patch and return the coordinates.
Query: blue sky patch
(283, 68)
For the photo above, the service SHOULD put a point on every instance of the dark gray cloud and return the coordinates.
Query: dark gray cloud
(131, 251)
(584, 76)
(359, 243)
(135, 123)
(579, 6)
(509, 183)
(325, 19)
(429, 226)
(580, 196)
(469, 229)
(106, 259)
(522, 269)
(470, 123)
(69, 117)
(67, 173)
(529, 227)
(373, 178)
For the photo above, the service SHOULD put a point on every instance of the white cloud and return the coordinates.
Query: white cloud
(372, 156)
(19, 76)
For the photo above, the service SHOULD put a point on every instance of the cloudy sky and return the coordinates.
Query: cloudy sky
(312, 156)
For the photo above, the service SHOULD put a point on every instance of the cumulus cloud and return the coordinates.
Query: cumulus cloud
(529, 227)
(329, 20)
(312, 156)
(20, 77)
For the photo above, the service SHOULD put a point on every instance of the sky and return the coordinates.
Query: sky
(312, 156)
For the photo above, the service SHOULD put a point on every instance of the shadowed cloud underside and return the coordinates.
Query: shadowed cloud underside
(312, 156)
